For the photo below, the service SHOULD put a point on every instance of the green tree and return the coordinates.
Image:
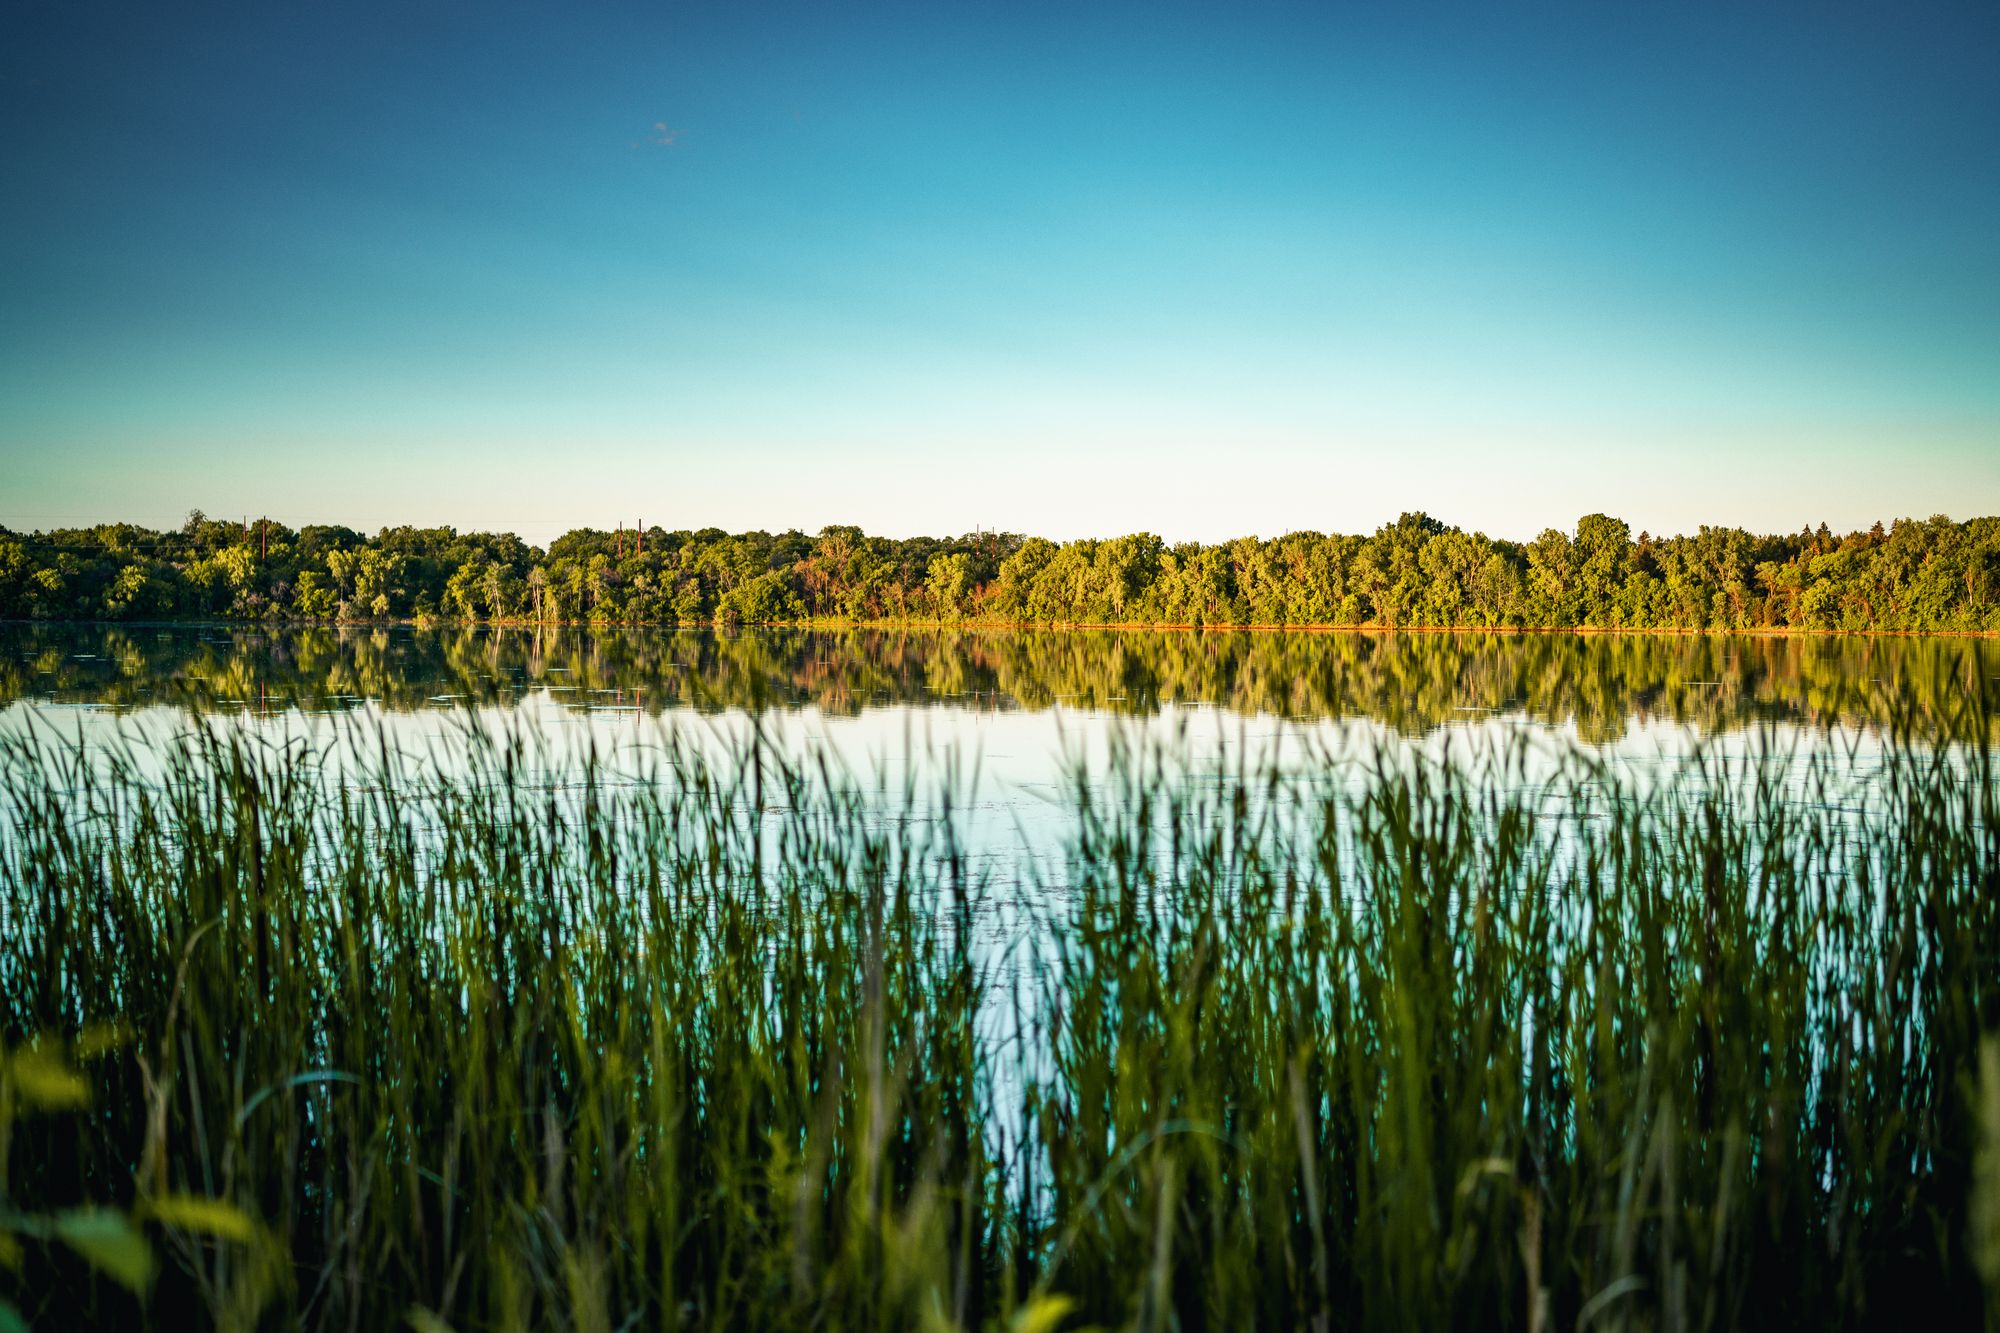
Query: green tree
(950, 583)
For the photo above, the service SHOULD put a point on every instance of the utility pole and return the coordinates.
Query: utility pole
(641, 530)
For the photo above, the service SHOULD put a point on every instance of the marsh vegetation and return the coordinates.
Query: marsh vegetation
(332, 1036)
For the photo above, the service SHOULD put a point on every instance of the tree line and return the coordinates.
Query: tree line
(1931, 575)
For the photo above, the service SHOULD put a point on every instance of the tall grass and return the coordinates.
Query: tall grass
(1403, 1040)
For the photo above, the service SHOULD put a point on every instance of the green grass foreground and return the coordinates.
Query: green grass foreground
(452, 1045)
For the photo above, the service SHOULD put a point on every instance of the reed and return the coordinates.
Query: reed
(302, 1034)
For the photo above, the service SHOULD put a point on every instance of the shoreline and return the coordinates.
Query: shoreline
(1026, 626)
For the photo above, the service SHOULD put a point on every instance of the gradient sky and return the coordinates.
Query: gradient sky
(1062, 268)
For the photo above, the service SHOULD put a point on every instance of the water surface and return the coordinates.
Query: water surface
(1599, 685)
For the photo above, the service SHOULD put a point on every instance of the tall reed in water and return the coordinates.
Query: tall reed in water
(482, 1040)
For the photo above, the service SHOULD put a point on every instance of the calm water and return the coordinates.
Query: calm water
(1601, 687)
(1016, 707)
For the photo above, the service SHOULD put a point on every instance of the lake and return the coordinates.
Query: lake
(1601, 690)
(1011, 714)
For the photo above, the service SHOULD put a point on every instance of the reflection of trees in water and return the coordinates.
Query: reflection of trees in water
(1600, 684)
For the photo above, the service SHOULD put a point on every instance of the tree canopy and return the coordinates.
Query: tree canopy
(1931, 575)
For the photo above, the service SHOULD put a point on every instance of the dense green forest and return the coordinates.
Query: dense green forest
(1915, 575)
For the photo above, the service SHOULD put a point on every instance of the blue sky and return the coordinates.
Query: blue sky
(1199, 270)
